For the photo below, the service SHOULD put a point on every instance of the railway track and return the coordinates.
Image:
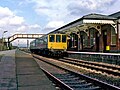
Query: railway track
(72, 80)
(109, 69)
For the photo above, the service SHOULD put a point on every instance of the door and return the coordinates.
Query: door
(97, 41)
(81, 38)
(104, 40)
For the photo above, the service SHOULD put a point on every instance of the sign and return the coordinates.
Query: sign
(107, 48)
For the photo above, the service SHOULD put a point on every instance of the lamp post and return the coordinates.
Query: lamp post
(3, 39)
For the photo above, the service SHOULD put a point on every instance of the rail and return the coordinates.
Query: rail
(56, 80)
(93, 66)
(82, 76)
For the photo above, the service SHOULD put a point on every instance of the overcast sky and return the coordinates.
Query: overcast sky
(43, 16)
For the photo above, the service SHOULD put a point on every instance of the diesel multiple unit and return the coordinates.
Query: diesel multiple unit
(50, 45)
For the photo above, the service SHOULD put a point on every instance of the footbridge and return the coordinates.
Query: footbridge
(23, 36)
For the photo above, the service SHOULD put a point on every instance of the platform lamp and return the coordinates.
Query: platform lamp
(3, 39)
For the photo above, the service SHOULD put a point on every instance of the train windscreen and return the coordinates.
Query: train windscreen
(51, 38)
(58, 38)
(63, 38)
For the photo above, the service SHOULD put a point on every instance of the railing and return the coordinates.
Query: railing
(25, 36)
(109, 58)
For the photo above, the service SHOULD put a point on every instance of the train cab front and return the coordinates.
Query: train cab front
(57, 44)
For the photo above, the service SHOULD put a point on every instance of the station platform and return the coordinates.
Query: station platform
(19, 71)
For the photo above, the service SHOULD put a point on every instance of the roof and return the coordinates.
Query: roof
(91, 18)
(98, 17)
(116, 15)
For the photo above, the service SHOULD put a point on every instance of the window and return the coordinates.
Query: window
(45, 39)
(113, 36)
(92, 38)
(85, 41)
(63, 38)
(51, 38)
(58, 38)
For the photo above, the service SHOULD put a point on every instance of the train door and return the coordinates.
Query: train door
(104, 40)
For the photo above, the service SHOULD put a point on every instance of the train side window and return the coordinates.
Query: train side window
(58, 38)
(51, 38)
(63, 38)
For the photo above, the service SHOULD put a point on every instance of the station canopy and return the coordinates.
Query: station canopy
(87, 21)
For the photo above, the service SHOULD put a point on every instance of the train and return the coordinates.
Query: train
(50, 45)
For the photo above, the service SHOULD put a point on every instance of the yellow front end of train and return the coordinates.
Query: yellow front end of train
(57, 42)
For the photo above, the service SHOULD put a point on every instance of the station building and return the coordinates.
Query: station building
(3, 45)
(94, 32)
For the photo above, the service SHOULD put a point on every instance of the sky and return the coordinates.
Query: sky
(43, 16)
